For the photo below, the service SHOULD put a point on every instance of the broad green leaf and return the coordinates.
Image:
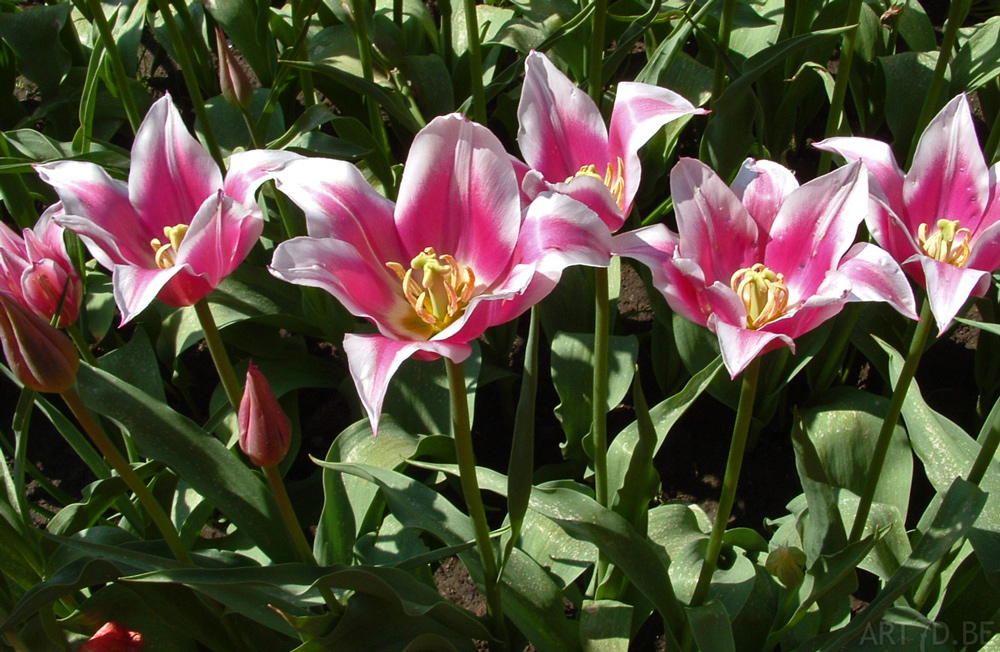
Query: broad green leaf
(605, 626)
(976, 63)
(135, 363)
(756, 27)
(711, 628)
(908, 77)
(904, 630)
(419, 398)
(33, 35)
(229, 126)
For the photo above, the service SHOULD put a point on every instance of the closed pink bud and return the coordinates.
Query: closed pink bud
(113, 637)
(264, 427)
(235, 84)
(41, 357)
(43, 285)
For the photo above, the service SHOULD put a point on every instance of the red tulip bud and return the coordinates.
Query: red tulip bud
(264, 427)
(233, 80)
(41, 357)
(113, 638)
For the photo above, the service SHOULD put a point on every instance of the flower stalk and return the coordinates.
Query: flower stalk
(117, 68)
(725, 30)
(218, 350)
(476, 62)
(833, 121)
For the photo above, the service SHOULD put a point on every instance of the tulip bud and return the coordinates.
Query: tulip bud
(113, 637)
(264, 427)
(236, 87)
(41, 357)
(787, 563)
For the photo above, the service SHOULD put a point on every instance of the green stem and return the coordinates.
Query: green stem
(917, 344)
(365, 53)
(475, 62)
(725, 30)
(988, 441)
(993, 142)
(733, 465)
(117, 68)
(219, 357)
(132, 480)
(956, 14)
(397, 13)
(447, 53)
(473, 500)
(833, 120)
(201, 54)
(596, 72)
(187, 69)
(599, 407)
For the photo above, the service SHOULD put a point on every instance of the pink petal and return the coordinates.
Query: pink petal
(875, 276)
(815, 227)
(11, 243)
(373, 359)
(949, 287)
(561, 129)
(739, 346)
(459, 195)
(136, 287)
(949, 178)
(247, 170)
(878, 159)
(762, 187)
(640, 111)
(716, 231)
(220, 236)
(171, 173)
(985, 246)
(43, 285)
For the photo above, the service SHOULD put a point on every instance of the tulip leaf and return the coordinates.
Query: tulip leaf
(605, 626)
(908, 77)
(33, 35)
(976, 62)
(135, 363)
(246, 23)
(711, 627)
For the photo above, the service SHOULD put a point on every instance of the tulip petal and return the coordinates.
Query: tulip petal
(459, 195)
(762, 187)
(878, 159)
(247, 170)
(985, 245)
(739, 346)
(949, 287)
(373, 359)
(171, 173)
(221, 235)
(136, 287)
(875, 276)
(561, 129)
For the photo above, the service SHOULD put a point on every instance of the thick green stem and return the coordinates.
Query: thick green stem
(599, 407)
(187, 69)
(596, 71)
(988, 442)
(725, 30)
(219, 357)
(473, 500)
(734, 464)
(365, 53)
(475, 62)
(917, 344)
(956, 14)
(132, 480)
(833, 120)
(117, 68)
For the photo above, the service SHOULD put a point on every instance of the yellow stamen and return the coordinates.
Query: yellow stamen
(941, 244)
(438, 287)
(165, 255)
(763, 292)
(614, 179)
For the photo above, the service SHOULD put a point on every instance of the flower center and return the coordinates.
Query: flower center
(763, 292)
(942, 246)
(166, 254)
(437, 287)
(614, 179)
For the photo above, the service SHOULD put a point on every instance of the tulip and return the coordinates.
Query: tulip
(177, 228)
(766, 260)
(233, 81)
(454, 256)
(41, 357)
(113, 637)
(940, 220)
(36, 271)
(569, 150)
(264, 427)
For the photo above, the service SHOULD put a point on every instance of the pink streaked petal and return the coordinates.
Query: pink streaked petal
(949, 178)
(834, 289)
(247, 170)
(762, 187)
(97, 207)
(949, 287)
(366, 288)
(875, 276)
(220, 236)
(43, 285)
(521, 171)
(48, 231)
(459, 195)
(815, 227)
(716, 231)
(561, 130)
(374, 359)
(136, 287)
(887, 228)
(740, 345)
(640, 111)
(985, 245)
(586, 189)
(879, 161)
(11, 243)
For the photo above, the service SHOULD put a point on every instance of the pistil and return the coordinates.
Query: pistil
(165, 255)
(438, 287)
(941, 244)
(763, 292)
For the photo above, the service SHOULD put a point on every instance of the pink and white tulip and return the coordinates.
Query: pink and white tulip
(569, 150)
(940, 220)
(35, 269)
(177, 228)
(455, 255)
(765, 261)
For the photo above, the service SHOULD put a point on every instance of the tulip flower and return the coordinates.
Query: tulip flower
(233, 80)
(41, 357)
(177, 228)
(35, 269)
(263, 426)
(113, 637)
(940, 220)
(454, 256)
(569, 150)
(766, 260)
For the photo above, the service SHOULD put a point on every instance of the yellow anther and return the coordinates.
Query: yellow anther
(614, 179)
(165, 255)
(438, 288)
(941, 244)
(763, 292)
